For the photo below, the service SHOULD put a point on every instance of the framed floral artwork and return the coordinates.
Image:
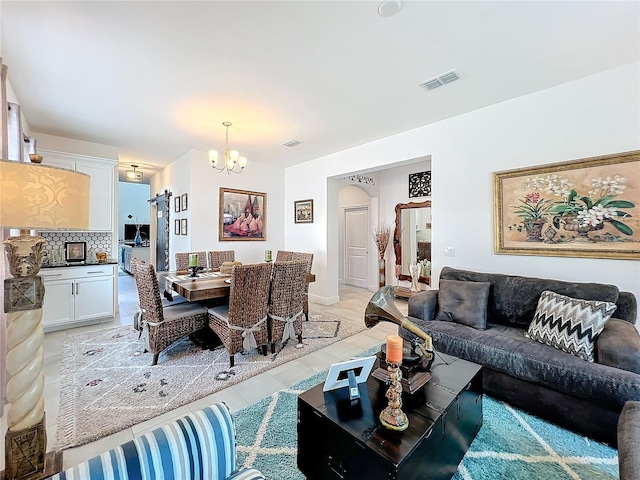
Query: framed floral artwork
(176, 226)
(185, 202)
(581, 208)
(183, 226)
(303, 211)
(176, 204)
(242, 215)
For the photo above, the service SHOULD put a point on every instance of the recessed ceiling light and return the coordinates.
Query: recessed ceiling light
(388, 8)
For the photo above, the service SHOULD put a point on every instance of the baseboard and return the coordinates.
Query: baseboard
(324, 300)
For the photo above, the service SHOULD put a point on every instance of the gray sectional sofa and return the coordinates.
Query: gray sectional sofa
(583, 396)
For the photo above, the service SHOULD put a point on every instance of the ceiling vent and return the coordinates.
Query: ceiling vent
(440, 80)
(292, 143)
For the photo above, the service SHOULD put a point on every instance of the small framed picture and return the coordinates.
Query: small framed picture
(176, 204)
(176, 224)
(183, 225)
(303, 211)
(185, 202)
(75, 251)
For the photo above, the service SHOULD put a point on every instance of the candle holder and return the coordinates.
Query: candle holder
(195, 270)
(393, 417)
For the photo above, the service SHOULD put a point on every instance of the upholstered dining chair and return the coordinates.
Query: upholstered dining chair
(286, 301)
(217, 257)
(163, 326)
(242, 325)
(182, 260)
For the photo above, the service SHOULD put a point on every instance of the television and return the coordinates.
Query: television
(130, 231)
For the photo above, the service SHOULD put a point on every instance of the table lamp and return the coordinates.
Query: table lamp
(38, 197)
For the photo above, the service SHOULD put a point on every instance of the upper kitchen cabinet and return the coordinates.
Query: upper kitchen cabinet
(103, 180)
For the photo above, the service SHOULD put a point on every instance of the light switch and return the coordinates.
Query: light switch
(449, 251)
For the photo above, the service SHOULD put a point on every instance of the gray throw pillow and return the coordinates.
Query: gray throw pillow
(463, 302)
(569, 324)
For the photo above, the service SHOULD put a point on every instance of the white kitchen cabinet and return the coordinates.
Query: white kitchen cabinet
(77, 296)
(102, 184)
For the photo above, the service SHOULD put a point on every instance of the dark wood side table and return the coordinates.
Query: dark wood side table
(341, 440)
(403, 292)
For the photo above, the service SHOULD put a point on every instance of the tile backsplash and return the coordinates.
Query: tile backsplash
(97, 241)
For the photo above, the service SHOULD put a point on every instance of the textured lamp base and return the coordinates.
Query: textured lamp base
(25, 458)
(52, 465)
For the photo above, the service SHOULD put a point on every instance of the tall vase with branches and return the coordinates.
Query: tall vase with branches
(381, 235)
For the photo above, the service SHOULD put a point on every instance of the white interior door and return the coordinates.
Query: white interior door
(356, 226)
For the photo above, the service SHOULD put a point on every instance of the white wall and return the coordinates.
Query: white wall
(595, 115)
(62, 144)
(192, 174)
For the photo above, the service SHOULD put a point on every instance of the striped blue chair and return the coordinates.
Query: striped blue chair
(197, 446)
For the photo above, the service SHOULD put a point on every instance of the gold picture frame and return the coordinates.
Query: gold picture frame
(243, 215)
(581, 208)
(303, 211)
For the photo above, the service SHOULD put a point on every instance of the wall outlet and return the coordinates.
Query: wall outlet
(449, 251)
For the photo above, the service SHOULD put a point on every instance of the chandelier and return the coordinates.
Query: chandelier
(134, 175)
(231, 158)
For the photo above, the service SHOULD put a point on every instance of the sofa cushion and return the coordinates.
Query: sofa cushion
(570, 324)
(619, 345)
(629, 441)
(463, 302)
(507, 350)
(513, 299)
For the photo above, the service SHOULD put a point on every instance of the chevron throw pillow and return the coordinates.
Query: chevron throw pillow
(569, 324)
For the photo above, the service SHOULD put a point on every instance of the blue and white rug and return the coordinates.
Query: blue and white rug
(510, 445)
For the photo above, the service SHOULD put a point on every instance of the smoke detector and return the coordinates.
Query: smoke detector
(388, 8)
(440, 80)
(292, 143)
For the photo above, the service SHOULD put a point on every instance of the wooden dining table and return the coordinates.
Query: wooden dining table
(207, 285)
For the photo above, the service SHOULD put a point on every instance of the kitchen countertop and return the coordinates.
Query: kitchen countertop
(110, 261)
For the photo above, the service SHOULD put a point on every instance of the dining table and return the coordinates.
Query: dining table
(206, 285)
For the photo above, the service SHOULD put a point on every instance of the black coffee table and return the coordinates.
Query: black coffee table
(338, 439)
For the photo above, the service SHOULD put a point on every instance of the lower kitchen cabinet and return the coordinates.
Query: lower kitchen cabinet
(77, 296)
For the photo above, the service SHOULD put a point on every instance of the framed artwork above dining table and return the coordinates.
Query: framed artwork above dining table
(242, 215)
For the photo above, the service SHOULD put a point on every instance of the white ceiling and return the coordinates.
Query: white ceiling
(157, 78)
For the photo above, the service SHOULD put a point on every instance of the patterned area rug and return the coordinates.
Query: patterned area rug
(107, 383)
(510, 445)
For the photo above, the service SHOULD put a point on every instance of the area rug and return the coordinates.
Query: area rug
(108, 384)
(510, 445)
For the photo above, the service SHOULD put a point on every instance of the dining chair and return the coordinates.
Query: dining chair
(217, 257)
(164, 326)
(308, 258)
(242, 325)
(182, 260)
(284, 256)
(286, 303)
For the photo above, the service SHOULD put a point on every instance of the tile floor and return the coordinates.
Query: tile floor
(351, 307)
